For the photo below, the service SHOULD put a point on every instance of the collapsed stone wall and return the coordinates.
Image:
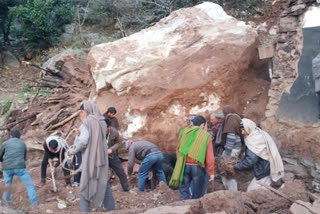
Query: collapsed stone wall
(294, 137)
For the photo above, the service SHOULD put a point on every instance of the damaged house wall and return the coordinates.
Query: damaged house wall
(292, 110)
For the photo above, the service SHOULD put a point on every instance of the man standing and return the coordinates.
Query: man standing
(54, 147)
(316, 78)
(13, 155)
(194, 152)
(151, 158)
(110, 114)
(231, 141)
(216, 120)
(114, 142)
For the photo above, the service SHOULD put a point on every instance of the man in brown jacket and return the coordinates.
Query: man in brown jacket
(114, 142)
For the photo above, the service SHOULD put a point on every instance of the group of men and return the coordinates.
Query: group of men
(189, 169)
(197, 150)
(56, 148)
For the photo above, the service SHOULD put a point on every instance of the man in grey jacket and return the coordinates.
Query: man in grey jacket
(151, 158)
(13, 155)
(316, 78)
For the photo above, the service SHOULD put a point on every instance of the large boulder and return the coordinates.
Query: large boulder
(188, 63)
(7, 59)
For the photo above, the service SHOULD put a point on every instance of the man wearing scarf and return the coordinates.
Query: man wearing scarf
(216, 120)
(92, 143)
(262, 156)
(194, 152)
(54, 148)
(231, 142)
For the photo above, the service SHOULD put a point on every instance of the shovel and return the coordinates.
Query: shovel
(53, 180)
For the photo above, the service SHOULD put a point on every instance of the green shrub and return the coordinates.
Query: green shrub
(4, 108)
(43, 19)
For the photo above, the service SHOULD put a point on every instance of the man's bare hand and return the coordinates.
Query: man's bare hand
(150, 174)
(53, 170)
(76, 131)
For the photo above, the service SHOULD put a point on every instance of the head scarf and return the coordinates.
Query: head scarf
(218, 115)
(261, 143)
(95, 157)
(232, 120)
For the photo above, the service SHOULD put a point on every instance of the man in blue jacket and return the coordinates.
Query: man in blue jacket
(13, 155)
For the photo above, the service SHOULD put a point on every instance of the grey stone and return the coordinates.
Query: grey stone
(297, 9)
(315, 174)
(288, 176)
(288, 24)
(307, 162)
(290, 160)
(186, 209)
(315, 186)
(8, 59)
(298, 170)
(298, 209)
(317, 166)
(274, 30)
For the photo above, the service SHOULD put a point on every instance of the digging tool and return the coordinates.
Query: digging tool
(285, 196)
(52, 174)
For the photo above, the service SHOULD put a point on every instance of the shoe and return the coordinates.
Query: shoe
(75, 184)
(41, 184)
(3, 203)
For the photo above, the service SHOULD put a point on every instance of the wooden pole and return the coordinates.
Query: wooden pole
(52, 174)
(65, 120)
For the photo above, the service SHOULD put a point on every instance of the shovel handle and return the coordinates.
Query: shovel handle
(52, 174)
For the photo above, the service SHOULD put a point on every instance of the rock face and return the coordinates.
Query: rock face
(191, 62)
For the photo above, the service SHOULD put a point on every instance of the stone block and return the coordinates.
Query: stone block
(186, 209)
(298, 170)
(288, 176)
(9, 60)
(315, 186)
(298, 209)
(317, 165)
(307, 162)
(266, 51)
(297, 9)
(315, 174)
(290, 160)
(288, 24)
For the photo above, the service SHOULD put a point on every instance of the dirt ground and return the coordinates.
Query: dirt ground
(261, 201)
